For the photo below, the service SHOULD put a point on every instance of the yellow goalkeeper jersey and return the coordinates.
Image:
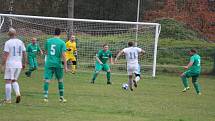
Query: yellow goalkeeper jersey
(71, 47)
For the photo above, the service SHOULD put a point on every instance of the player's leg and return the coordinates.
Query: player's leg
(130, 72)
(196, 84)
(73, 59)
(48, 73)
(15, 84)
(98, 68)
(184, 79)
(8, 87)
(31, 66)
(59, 77)
(137, 74)
(106, 68)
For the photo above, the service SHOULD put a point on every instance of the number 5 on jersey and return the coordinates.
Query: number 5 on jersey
(52, 49)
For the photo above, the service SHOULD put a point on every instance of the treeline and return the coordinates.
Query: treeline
(91, 9)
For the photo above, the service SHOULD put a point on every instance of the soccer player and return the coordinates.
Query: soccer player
(101, 63)
(71, 53)
(14, 52)
(193, 70)
(133, 67)
(32, 50)
(55, 50)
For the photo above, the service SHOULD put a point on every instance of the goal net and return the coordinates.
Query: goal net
(90, 36)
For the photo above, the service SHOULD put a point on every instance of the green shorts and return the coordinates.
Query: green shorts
(48, 73)
(190, 73)
(104, 67)
(32, 62)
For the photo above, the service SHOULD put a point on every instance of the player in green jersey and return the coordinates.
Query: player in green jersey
(32, 50)
(55, 51)
(193, 70)
(101, 63)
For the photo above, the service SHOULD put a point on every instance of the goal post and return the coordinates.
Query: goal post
(91, 35)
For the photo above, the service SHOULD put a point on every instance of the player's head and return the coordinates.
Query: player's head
(34, 40)
(192, 51)
(57, 32)
(130, 44)
(72, 38)
(12, 32)
(105, 47)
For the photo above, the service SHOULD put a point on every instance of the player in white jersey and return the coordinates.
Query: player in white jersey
(14, 52)
(133, 67)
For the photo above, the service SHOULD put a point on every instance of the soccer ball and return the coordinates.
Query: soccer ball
(125, 86)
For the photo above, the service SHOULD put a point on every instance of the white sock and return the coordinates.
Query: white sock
(16, 88)
(137, 79)
(8, 91)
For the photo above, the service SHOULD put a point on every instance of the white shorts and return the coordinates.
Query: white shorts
(133, 68)
(12, 73)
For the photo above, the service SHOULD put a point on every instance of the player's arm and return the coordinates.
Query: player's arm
(118, 55)
(64, 61)
(68, 46)
(40, 50)
(24, 55)
(111, 58)
(64, 57)
(99, 60)
(97, 57)
(24, 59)
(4, 58)
(190, 63)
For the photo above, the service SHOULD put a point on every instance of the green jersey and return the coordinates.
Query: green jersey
(33, 49)
(196, 67)
(54, 48)
(104, 56)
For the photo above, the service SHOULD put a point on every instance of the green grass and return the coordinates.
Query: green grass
(156, 99)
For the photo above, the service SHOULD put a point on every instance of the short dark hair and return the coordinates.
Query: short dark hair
(104, 45)
(193, 50)
(130, 44)
(57, 31)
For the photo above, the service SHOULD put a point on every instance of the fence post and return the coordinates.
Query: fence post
(214, 64)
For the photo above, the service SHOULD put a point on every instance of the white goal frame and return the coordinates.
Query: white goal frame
(157, 26)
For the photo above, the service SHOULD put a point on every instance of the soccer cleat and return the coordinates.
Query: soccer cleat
(185, 89)
(18, 99)
(27, 74)
(7, 101)
(131, 89)
(62, 100)
(109, 83)
(135, 83)
(92, 82)
(199, 93)
(45, 100)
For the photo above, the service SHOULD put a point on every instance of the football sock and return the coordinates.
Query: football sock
(94, 76)
(46, 88)
(8, 91)
(130, 83)
(108, 76)
(73, 68)
(61, 88)
(16, 88)
(196, 86)
(185, 81)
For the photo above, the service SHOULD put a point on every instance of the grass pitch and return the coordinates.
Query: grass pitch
(158, 99)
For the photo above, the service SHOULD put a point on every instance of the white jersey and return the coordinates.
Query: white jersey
(131, 54)
(15, 48)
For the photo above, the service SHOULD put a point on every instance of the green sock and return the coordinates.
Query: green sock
(61, 88)
(108, 76)
(46, 88)
(185, 81)
(196, 85)
(94, 76)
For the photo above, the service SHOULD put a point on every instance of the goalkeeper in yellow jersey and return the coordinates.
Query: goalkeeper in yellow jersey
(71, 53)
